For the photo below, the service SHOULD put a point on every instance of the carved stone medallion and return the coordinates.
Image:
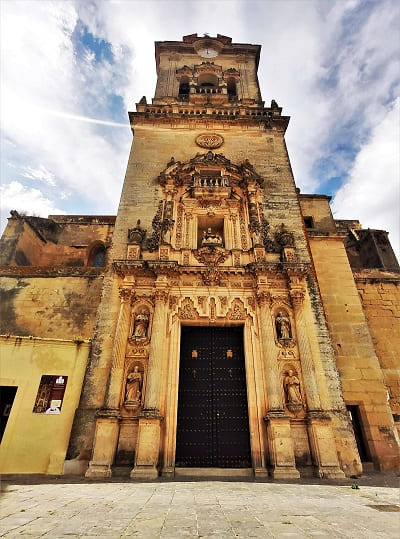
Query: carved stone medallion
(209, 140)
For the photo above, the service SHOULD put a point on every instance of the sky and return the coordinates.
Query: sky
(70, 71)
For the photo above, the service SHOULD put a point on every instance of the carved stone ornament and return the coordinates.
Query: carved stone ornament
(136, 235)
(188, 311)
(237, 312)
(209, 140)
(211, 255)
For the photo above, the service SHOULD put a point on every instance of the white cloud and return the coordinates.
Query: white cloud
(372, 193)
(15, 196)
(41, 174)
(45, 90)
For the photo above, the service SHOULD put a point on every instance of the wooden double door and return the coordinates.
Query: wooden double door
(213, 422)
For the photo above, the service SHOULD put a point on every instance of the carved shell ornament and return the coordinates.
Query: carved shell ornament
(209, 140)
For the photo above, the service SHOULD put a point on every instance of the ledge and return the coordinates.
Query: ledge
(51, 271)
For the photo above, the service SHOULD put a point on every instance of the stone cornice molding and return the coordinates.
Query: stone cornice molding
(213, 120)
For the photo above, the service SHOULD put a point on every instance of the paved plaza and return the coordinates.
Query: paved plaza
(56, 507)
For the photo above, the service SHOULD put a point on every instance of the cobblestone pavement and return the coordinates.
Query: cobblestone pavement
(218, 509)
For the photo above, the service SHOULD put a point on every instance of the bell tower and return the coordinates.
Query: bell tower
(210, 309)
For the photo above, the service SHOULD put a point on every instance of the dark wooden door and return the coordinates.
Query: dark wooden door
(213, 423)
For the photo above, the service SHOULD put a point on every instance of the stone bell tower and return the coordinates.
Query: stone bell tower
(211, 348)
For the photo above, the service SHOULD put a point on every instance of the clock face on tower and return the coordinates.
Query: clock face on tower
(207, 52)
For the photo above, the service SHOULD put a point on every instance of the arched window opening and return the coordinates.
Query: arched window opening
(231, 86)
(97, 256)
(184, 88)
(208, 80)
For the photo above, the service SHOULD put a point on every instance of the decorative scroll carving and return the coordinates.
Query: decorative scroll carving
(173, 301)
(223, 301)
(283, 237)
(211, 140)
(125, 294)
(154, 241)
(179, 223)
(243, 235)
(251, 301)
(211, 277)
(201, 300)
(211, 255)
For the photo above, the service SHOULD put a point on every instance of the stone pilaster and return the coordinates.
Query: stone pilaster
(280, 443)
(107, 422)
(320, 432)
(310, 382)
(148, 443)
(280, 446)
(270, 353)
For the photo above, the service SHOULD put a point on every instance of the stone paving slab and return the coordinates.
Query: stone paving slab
(204, 509)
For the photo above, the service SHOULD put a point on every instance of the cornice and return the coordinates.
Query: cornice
(51, 271)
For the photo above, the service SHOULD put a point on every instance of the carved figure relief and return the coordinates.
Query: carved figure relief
(134, 383)
(209, 238)
(187, 311)
(237, 312)
(291, 385)
(141, 324)
(283, 328)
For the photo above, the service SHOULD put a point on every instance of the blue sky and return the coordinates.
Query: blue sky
(71, 70)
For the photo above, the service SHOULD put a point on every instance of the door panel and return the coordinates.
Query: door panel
(213, 424)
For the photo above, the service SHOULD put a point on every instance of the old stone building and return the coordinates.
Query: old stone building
(235, 326)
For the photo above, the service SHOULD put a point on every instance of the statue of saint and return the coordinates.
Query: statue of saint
(134, 381)
(209, 238)
(142, 319)
(282, 326)
(291, 385)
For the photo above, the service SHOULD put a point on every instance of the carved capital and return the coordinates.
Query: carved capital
(160, 296)
(297, 295)
(125, 294)
(263, 298)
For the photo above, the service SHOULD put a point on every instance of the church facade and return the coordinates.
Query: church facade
(233, 324)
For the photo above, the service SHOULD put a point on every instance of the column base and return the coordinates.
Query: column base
(280, 444)
(329, 472)
(323, 446)
(260, 473)
(143, 473)
(168, 472)
(282, 472)
(98, 471)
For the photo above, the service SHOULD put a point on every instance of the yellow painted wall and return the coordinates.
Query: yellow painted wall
(37, 443)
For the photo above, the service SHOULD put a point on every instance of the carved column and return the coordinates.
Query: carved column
(320, 432)
(280, 443)
(148, 443)
(108, 417)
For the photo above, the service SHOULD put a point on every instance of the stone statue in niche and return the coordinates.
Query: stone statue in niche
(291, 385)
(142, 319)
(134, 381)
(282, 324)
(209, 238)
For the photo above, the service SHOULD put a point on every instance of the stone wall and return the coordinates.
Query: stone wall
(380, 296)
(50, 304)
